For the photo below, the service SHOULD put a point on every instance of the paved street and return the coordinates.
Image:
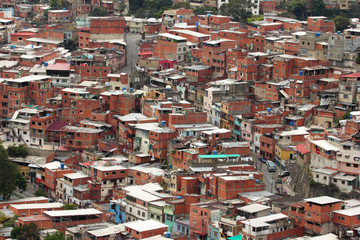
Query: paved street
(132, 53)
(28, 193)
(269, 177)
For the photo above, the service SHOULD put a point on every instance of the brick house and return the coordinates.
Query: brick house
(26, 210)
(145, 229)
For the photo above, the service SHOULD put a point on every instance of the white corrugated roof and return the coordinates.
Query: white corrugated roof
(78, 212)
(349, 212)
(142, 226)
(254, 208)
(323, 200)
(325, 145)
(172, 36)
(108, 231)
(37, 205)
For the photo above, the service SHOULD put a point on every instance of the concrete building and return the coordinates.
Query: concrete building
(343, 50)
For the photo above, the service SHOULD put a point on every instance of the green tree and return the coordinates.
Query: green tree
(341, 23)
(3, 218)
(160, 12)
(68, 206)
(46, 14)
(155, 7)
(298, 8)
(317, 7)
(135, 5)
(204, 10)
(10, 175)
(346, 115)
(26, 232)
(21, 182)
(255, 18)
(354, 9)
(140, 13)
(178, 5)
(287, 14)
(40, 193)
(56, 236)
(99, 12)
(18, 151)
(71, 44)
(11, 221)
(238, 10)
(59, 4)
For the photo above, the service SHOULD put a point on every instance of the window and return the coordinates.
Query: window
(348, 164)
(341, 218)
(168, 217)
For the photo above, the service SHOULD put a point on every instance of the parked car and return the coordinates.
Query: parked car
(284, 174)
(271, 166)
(262, 159)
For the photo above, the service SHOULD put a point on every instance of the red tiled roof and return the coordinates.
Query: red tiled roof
(57, 125)
(302, 148)
(352, 75)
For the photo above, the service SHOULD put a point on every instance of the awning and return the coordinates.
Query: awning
(284, 94)
(238, 237)
(302, 148)
(352, 75)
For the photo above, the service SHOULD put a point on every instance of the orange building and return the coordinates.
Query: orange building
(32, 200)
(201, 215)
(80, 138)
(70, 218)
(228, 187)
(319, 214)
(320, 24)
(347, 219)
(59, 16)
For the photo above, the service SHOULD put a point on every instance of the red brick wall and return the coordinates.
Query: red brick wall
(299, 232)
